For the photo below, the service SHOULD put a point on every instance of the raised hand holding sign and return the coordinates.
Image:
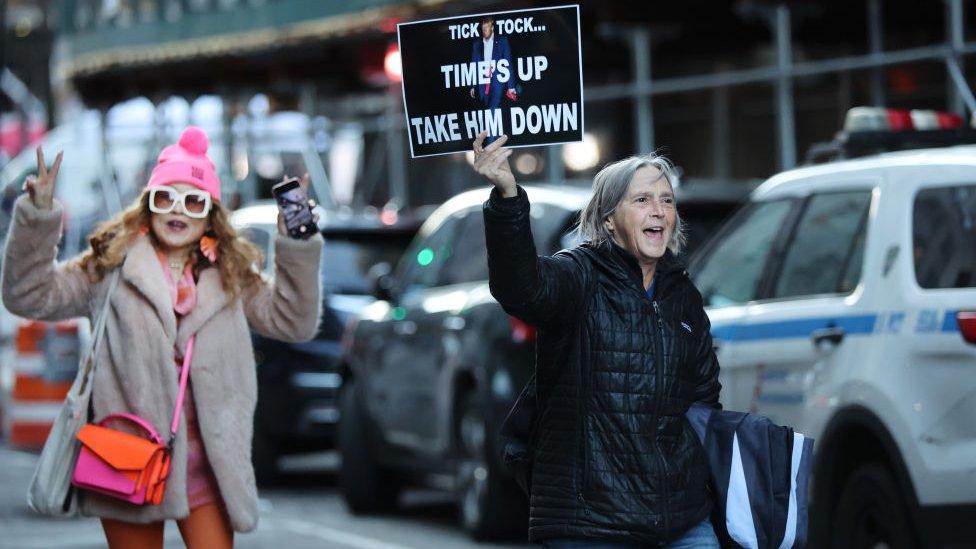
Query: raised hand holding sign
(492, 162)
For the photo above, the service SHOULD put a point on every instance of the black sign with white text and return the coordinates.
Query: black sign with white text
(516, 73)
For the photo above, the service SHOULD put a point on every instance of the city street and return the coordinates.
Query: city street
(305, 511)
(737, 273)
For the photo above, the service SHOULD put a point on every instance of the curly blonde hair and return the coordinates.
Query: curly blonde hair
(239, 261)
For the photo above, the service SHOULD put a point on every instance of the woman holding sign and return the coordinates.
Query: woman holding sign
(623, 349)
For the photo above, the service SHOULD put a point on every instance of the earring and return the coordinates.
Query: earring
(144, 230)
(208, 247)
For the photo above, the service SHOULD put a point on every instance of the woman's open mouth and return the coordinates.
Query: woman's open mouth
(655, 233)
(176, 225)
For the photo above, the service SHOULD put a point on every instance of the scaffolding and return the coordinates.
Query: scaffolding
(782, 76)
(641, 89)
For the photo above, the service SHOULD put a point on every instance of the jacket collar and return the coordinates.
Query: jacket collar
(211, 298)
(622, 264)
(141, 268)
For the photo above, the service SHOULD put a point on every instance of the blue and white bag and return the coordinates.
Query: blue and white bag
(760, 472)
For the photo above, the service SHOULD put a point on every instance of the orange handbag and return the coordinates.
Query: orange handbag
(125, 466)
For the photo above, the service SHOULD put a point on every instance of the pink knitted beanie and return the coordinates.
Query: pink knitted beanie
(187, 162)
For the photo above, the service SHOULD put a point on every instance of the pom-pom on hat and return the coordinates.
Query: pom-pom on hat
(187, 162)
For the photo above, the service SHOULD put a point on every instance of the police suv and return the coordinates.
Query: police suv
(843, 303)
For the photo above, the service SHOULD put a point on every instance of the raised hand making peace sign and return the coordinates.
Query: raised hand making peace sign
(41, 187)
(492, 162)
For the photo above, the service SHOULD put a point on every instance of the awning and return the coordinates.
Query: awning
(218, 33)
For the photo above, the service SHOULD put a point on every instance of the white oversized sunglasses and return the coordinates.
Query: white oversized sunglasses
(196, 203)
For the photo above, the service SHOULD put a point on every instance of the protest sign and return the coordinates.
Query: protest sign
(517, 73)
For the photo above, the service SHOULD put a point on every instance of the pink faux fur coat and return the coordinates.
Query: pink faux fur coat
(134, 370)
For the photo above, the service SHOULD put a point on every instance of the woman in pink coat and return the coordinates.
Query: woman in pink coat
(184, 271)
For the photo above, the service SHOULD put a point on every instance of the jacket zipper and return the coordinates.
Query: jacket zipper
(659, 379)
(584, 457)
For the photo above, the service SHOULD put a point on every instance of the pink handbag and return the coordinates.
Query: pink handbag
(129, 467)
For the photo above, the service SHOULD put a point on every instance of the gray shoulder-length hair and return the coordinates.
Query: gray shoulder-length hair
(609, 188)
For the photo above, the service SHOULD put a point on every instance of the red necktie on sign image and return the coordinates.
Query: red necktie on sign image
(488, 83)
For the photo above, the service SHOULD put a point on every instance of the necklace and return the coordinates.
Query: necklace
(175, 265)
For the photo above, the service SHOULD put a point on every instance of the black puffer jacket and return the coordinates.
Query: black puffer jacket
(615, 458)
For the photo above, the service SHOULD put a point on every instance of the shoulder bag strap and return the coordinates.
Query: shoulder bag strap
(184, 377)
(103, 315)
(98, 330)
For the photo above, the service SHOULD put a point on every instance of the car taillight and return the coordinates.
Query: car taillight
(967, 325)
(521, 331)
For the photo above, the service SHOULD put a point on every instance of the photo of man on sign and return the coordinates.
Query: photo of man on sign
(497, 51)
(515, 73)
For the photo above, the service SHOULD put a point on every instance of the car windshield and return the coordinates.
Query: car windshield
(348, 257)
(701, 222)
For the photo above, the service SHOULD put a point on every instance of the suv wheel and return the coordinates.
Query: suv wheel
(871, 512)
(490, 504)
(366, 487)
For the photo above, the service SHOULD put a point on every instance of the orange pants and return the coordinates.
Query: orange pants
(206, 527)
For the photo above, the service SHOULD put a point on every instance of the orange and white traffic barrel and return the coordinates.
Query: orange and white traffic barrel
(44, 362)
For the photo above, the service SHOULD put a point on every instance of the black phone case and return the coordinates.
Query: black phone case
(296, 231)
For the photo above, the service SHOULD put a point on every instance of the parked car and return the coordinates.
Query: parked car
(298, 382)
(435, 364)
(843, 303)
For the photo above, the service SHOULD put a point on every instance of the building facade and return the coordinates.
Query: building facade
(732, 90)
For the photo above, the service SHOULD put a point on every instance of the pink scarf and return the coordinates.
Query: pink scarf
(183, 291)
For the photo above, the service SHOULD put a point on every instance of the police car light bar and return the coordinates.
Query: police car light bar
(897, 120)
(873, 130)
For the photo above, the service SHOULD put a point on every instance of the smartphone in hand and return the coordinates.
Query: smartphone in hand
(294, 207)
